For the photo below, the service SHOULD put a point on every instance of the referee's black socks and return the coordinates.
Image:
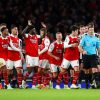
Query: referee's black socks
(86, 80)
(96, 77)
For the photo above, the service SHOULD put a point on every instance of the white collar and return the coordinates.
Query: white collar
(3, 37)
(58, 42)
(73, 36)
(13, 35)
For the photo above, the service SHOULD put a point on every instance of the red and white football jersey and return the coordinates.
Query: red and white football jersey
(57, 49)
(45, 43)
(14, 49)
(71, 53)
(4, 43)
(31, 45)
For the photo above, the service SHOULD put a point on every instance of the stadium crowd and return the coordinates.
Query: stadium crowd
(59, 13)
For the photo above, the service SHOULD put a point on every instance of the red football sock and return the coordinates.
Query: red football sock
(39, 78)
(46, 79)
(5, 76)
(65, 76)
(34, 79)
(19, 78)
(26, 76)
(75, 77)
(60, 75)
(0, 74)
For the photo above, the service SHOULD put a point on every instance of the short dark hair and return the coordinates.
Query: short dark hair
(81, 26)
(91, 25)
(74, 27)
(4, 28)
(13, 26)
(3, 24)
(58, 33)
(43, 29)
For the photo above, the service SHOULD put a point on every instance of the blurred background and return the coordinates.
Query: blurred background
(58, 15)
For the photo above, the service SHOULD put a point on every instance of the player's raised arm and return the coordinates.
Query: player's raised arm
(43, 25)
(27, 27)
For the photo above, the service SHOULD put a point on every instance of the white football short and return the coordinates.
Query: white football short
(32, 61)
(66, 63)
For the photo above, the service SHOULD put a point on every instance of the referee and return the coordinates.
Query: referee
(89, 45)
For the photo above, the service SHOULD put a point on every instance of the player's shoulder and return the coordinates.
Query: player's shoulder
(67, 37)
(46, 39)
(54, 42)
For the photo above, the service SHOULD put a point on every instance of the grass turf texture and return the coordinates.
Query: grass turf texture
(50, 94)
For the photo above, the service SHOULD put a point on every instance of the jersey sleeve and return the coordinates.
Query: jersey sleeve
(47, 42)
(66, 43)
(12, 47)
(51, 48)
(38, 36)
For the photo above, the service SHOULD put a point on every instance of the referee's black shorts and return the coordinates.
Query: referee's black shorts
(98, 60)
(90, 61)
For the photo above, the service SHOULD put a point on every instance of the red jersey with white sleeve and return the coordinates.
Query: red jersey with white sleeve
(71, 53)
(44, 49)
(14, 50)
(57, 49)
(31, 45)
(4, 43)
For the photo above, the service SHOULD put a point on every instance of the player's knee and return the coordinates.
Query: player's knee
(55, 74)
(18, 71)
(76, 68)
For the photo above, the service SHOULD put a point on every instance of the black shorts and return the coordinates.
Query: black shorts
(89, 61)
(98, 60)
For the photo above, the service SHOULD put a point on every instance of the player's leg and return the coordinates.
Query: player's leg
(46, 79)
(54, 72)
(18, 66)
(95, 72)
(35, 64)
(42, 65)
(29, 63)
(63, 73)
(81, 72)
(75, 65)
(86, 66)
(1, 87)
(71, 73)
(10, 65)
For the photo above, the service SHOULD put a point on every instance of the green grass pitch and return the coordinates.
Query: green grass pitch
(50, 94)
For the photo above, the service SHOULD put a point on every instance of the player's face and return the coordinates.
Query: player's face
(5, 32)
(82, 30)
(91, 31)
(86, 29)
(76, 33)
(59, 37)
(42, 33)
(15, 31)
